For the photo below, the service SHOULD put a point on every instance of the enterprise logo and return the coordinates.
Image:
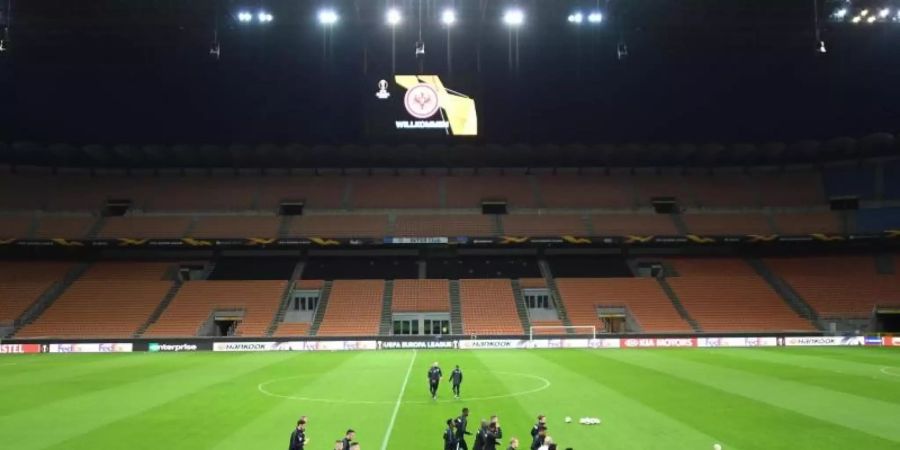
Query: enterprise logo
(157, 347)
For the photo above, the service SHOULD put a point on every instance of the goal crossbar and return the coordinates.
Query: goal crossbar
(564, 329)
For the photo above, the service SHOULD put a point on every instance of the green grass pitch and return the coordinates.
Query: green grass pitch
(778, 398)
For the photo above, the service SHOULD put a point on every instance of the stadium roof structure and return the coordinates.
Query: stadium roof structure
(449, 155)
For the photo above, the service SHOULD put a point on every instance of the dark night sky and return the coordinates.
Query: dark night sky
(700, 70)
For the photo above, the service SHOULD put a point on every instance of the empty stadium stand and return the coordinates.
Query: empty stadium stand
(339, 226)
(724, 294)
(21, 283)
(136, 227)
(421, 296)
(196, 301)
(647, 224)
(808, 222)
(112, 299)
(566, 191)
(643, 297)
(489, 308)
(468, 191)
(724, 224)
(838, 286)
(236, 226)
(354, 308)
(544, 225)
(443, 225)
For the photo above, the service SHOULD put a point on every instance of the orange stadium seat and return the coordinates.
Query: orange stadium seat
(544, 225)
(236, 226)
(794, 189)
(838, 286)
(648, 304)
(15, 226)
(726, 294)
(76, 227)
(724, 191)
(318, 192)
(111, 300)
(354, 308)
(287, 329)
(196, 300)
(443, 225)
(395, 192)
(727, 224)
(808, 223)
(648, 187)
(203, 194)
(339, 226)
(21, 283)
(162, 227)
(633, 224)
(421, 296)
(566, 191)
(468, 191)
(489, 307)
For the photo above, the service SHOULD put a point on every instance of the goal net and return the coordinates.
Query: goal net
(579, 330)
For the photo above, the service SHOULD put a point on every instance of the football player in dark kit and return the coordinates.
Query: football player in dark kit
(348, 439)
(462, 422)
(456, 378)
(450, 441)
(480, 436)
(298, 436)
(494, 435)
(434, 379)
(541, 423)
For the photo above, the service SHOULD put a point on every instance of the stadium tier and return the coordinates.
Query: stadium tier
(642, 297)
(353, 309)
(725, 295)
(489, 308)
(110, 300)
(421, 296)
(250, 304)
(22, 283)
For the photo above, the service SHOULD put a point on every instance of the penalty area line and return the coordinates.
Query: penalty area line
(390, 428)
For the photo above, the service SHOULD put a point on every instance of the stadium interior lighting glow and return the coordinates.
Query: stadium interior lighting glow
(575, 17)
(393, 17)
(864, 13)
(244, 16)
(448, 17)
(884, 13)
(264, 17)
(328, 17)
(856, 19)
(514, 17)
(841, 13)
(871, 19)
(822, 48)
(595, 17)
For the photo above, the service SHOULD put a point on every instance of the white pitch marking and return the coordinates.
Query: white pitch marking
(887, 371)
(390, 428)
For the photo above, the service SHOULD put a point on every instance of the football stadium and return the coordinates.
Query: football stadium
(449, 224)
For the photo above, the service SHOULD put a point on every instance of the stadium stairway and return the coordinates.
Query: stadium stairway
(320, 308)
(286, 298)
(520, 305)
(94, 230)
(676, 302)
(456, 325)
(387, 297)
(555, 296)
(284, 228)
(167, 299)
(51, 295)
(680, 225)
(786, 292)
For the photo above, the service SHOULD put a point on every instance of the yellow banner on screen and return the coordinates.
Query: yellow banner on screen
(459, 109)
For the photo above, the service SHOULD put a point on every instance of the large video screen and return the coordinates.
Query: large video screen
(419, 106)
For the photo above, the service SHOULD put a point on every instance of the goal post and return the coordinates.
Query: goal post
(580, 330)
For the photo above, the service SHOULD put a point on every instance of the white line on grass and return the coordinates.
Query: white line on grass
(387, 434)
(889, 371)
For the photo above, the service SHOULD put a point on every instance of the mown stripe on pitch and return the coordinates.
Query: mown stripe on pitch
(866, 355)
(25, 431)
(865, 380)
(232, 413)
(874, 417)
(624, 401)
(81, 382)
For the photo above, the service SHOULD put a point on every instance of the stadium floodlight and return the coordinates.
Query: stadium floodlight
(864, 13)
(514, 17)
(595, 17)
(328, 17)
(841, 13)
(244, 17)
(448, 17)
(871, 19)
(884, 13)
(822, 48)
(393, 17)
(264, 17)
(576, 18)
(857, 19)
